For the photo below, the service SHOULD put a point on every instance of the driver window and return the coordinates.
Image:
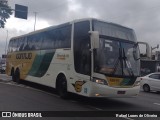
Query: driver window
(155, 76)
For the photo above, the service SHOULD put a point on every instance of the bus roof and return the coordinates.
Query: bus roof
(68, 23)
(91, 19)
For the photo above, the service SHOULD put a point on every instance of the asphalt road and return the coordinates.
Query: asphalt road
(32, 97)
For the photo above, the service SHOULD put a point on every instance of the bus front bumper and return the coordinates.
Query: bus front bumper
(99, 90)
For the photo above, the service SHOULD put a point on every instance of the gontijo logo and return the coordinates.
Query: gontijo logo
(24, 56)
(78, 85)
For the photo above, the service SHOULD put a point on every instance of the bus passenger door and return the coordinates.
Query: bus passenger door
(82, 54)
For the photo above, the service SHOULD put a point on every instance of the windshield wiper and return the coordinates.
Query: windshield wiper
(121, 58)
(127, 64)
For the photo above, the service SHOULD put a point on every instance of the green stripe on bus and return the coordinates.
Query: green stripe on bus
(41, 63)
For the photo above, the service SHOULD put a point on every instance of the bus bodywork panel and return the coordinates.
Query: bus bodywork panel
(21, 60)
(42, 66)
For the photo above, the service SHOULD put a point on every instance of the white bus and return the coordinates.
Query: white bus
(88, 57)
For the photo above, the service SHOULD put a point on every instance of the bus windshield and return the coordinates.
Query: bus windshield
(118, 54)
(116, 57)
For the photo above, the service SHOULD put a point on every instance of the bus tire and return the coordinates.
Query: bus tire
(62, 87)
(13, 78)
(17, 75)
(13, 74)
(146, 88)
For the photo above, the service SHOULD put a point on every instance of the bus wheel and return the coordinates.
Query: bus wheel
(13, 78)
(13, 75)
(17, 75)
(146, 88)
(62, 87)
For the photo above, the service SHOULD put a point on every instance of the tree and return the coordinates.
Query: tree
(5, 12)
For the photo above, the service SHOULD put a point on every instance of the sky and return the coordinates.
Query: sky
(141, 15)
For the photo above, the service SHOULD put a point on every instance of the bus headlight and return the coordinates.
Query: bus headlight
(99, 81)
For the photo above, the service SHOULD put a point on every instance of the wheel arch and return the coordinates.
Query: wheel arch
(146, 84)
(17, 69)
(59, 76)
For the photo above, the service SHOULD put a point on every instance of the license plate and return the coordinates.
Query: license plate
(121, 92)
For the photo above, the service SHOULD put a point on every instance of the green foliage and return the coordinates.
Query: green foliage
(5, 12)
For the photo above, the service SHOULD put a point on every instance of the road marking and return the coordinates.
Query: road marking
(73, 101)
(127, 118)
(94, 107)
(156, 103)
(98, 108)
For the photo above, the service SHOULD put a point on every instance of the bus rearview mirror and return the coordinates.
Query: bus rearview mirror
(94, 35)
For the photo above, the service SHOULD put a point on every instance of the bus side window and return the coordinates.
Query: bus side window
(38, 41)
(66, 37)
(14, 45)
(31, 43)
(19, 42)
(58, 38)
(26, 45)
(10, 46)
(21, 45)
(47, 42)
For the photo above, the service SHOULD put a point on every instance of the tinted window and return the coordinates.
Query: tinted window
(10, 46)
(20, 44)
(47, 41)
(32, 42)
(57, 38)
(51, 39)
(155, 76)
(35, 41)
(24, 44)
(14, 45)
(113, 30)
(82, 56)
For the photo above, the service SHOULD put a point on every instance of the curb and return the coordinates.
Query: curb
(5, 78)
